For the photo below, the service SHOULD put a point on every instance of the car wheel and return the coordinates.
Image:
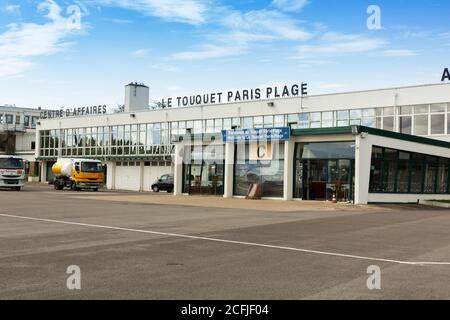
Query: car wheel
(155, 189)
(18, 188)
(169, 190)
(95, 190)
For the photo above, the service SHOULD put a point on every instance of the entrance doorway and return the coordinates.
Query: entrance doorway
(203, 179)
(320, 179)
(324, 169)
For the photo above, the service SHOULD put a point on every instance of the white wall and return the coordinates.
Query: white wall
(439, 93)
(127, 178)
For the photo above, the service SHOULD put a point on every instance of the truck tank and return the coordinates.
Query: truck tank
(63, 167)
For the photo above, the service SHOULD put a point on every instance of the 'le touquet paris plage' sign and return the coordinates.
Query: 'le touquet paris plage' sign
(237, 96)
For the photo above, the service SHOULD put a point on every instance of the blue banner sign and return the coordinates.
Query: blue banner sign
(254, 135)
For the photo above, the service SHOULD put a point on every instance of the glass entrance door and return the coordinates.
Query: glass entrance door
(320, 179)
(203, 179)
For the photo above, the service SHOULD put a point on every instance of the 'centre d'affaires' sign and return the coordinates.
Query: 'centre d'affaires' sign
(84, 111)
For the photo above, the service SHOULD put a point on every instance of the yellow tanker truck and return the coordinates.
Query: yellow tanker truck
(78, 174)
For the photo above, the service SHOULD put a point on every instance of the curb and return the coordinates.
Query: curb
(435, 204)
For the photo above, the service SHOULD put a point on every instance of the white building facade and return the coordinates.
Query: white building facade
(388, 145)
(18, 135)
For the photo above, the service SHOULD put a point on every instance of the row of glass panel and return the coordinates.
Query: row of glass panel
(394, 171)
(419, 120)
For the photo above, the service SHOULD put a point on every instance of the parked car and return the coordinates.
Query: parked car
(164, 183)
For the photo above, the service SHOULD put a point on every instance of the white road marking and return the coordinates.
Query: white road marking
(425, 263)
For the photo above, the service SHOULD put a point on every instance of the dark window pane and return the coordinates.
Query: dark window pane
(403, 176)
(442, 179)
(431, 169)
(390, 169)
(416, 177)
(375, 176)
(405, 125)
(438, 124)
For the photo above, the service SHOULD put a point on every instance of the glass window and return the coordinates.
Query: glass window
(328, 150)
(293, 118)
(198, 127)
(406, 110)
(431, 170)
(236, 122)
(315, 116)
(267, 173)
(9, 118)
(218, 125)
(258, 122)
(421, 109)
(403, 173)
(448, 123)
(327, 116)
(389, 111)
(406, 125)
(421, 125)
(247, 123)
(343, 115)
(209, 126)
(26, 121)
(388, 123)
(368, 113)
(279, 121)
(416, 176)
(268, 121)
(442, 177)
(355, 114)
(437, 123)
(389, 174)
(227, 124)
(436, 108)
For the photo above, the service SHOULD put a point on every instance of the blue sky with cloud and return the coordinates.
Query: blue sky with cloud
(194, 46)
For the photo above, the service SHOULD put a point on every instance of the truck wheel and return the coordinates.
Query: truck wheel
(18, 188)
(95, 190)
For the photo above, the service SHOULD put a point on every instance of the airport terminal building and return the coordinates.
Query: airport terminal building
(387, 145)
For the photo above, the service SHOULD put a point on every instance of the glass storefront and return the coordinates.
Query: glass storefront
(269, 172)
(323, 169)
(395, 171)
(203, 170)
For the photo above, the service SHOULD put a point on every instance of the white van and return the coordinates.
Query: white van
(12, 172)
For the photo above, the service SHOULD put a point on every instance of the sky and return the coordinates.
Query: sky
(69, 53)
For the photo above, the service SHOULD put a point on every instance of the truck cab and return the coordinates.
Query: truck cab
(78, 174)
(12, 172)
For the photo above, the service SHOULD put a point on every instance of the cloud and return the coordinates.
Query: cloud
(399, 53)
(12, 8)
(119, 21)
(140, 53)
(264, 25)
(208, 52)
(336, 44)
(290, 5)
(184, 11)
(22, 42)
(165, 67)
